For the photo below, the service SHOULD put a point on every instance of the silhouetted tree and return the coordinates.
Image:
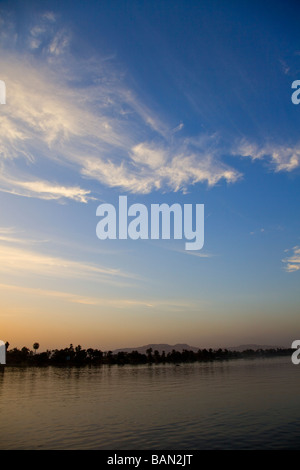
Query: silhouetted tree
(149, 354)
(79, 357)
(156, 356)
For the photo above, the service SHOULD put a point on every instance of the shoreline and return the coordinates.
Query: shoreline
(81, 358)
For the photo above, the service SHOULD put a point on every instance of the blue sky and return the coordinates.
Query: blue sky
(176, 102)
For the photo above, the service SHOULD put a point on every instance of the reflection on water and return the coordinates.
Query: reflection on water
(222, 405)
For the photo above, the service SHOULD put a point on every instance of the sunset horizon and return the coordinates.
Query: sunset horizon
(149, 186)
(178, 118)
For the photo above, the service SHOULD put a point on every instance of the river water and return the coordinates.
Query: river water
(236, 404)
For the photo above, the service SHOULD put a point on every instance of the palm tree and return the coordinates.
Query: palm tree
(149, 354)
(36, 347)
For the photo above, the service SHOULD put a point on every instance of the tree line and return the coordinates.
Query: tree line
(79, 356)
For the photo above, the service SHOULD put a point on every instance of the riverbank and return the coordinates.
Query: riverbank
(79, 356)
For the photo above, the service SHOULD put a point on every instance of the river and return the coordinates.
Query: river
(236, 404)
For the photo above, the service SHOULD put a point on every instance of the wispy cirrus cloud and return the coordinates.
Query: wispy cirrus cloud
(12, 236)
(97, 131)
(152, 167)
(45, 190)
(79, 114)
(103, 302)
(76, 298)
(292, 262)
(14, 259)
(283, 158)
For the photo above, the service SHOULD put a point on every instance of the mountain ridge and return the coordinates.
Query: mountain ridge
(244, 347)
(160, 347)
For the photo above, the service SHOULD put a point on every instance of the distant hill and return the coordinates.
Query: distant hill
(158, 347)
(244, 347)
(180, 347)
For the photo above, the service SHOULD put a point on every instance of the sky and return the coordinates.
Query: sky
(163, 102)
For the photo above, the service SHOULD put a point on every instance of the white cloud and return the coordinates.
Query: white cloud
(292, 263)
(47, 191)
(104, 302)
(59, 123)
(284, 158)
(178, 128)
(10, 235)
(19, 260)
(59, 43)
(97, 129)
(154, 167)
(193, 253)
(49, 15)
(152, 157)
